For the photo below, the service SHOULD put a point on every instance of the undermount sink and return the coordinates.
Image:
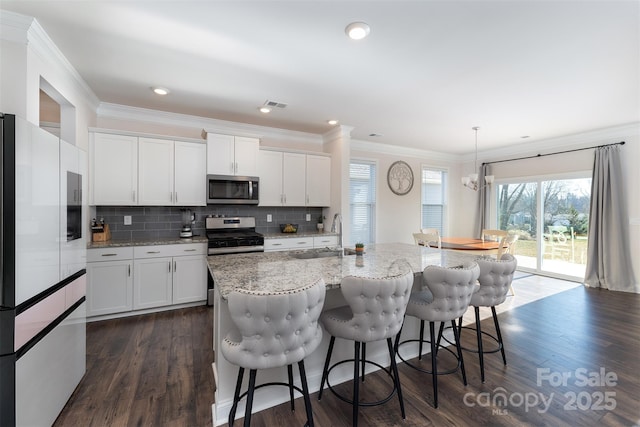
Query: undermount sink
(316, 254)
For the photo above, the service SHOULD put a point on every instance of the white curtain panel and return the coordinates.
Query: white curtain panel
(608, 258)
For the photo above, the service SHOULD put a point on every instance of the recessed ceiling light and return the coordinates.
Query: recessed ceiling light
(357, 30)
(265, 110)
(160, 90)
(332, 122)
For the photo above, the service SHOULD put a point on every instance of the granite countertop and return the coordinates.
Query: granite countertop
(298, 234)
(146, 242)
(282, 271)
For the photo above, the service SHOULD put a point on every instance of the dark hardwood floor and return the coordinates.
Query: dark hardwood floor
(154, 370)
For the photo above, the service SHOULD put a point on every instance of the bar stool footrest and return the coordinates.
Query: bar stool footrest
(427, 371)
(349, 401)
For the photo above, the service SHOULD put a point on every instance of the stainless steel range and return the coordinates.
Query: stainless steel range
(231, 235)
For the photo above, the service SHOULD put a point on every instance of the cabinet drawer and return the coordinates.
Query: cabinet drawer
(325, 241)
(156, 251)
(288, 244)
(109, 254)
(153, 251)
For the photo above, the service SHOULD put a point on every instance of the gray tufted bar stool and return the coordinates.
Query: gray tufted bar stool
(375, 312)
(444, 297)
(273, 330)
(495, 280)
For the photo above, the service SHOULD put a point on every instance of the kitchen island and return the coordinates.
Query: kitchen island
(282, 271)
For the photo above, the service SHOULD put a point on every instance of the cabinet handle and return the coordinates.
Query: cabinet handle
(153, 252)
(176, 197)
(169, 266)
(189, 250)
(129, 270)
(303, 243)
(175, 266)
(285, 199)
(133, 195)
(307, 199)
(109, 254)
(232, 167)
(277, 244)
(236, 169)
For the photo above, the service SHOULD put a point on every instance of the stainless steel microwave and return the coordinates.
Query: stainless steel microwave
(232, 190)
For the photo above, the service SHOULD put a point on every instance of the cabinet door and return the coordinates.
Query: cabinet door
(190, 174)
(114, 169)
(293, 179)
(109, 287)
(318, 180)
(220, 154)
(152, 282)
(270, 174)
(246, 156)
(189, 279)
(155, 172)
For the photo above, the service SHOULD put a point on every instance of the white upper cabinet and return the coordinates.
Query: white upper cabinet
(318, 180)
(130, 170)
(114, 169)
(190, 180)
(155, 172)
(232, 155)
(171, 173)
(270, 173)
(294, 179)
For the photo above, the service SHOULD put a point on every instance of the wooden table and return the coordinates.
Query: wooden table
(470, 244)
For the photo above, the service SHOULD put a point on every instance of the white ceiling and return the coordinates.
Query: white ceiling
(428, 72)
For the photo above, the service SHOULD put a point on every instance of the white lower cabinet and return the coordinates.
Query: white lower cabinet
(145, 277)
(325, 241)
(109, 281)
(152, 283)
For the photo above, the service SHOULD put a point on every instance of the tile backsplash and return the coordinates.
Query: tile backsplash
(152, 222)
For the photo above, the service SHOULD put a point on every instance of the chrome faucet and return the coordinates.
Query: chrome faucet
(337, 220)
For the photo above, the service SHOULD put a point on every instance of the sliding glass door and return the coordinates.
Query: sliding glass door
(551, 218)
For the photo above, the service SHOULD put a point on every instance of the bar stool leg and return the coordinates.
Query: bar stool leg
(434, 370)
(364, 358)
(456, 335)
(325, 371)
(356, 383)
(305, 392)
(421, 339)
(252, 386)
(236, 397)
(495, 322)
(440, 332)
(290, 374)
(396, 378)
(479, 335)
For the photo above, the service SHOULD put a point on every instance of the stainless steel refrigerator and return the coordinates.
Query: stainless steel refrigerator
(42, 266)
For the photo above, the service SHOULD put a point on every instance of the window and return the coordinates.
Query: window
(362, 199)
(550, 215)
(434, 199)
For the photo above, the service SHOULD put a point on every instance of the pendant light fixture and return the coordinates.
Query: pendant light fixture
(471, 180)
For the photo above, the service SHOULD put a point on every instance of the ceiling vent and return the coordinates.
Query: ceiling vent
(274, 104)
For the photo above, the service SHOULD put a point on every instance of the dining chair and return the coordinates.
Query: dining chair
(428, 239)
(508, 246)
(273, 330)
(493, 235)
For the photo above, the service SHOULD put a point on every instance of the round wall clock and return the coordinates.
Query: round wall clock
(400, 178)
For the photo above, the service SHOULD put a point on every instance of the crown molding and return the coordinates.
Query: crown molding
(208, 125)
(602, 136)
(27, 30)
(14, 27)
(394, 150)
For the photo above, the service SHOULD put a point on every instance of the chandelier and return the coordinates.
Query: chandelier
(471, 180)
